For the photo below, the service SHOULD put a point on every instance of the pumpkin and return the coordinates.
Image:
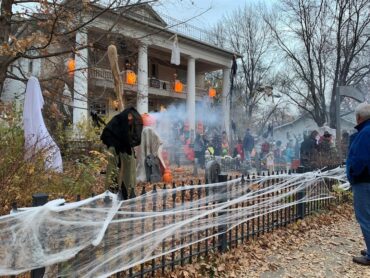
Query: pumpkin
(167, 176)
(130, 77)
(178, 86)
(212, 92)
(148, 120)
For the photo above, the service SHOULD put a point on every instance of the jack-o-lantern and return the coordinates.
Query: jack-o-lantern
(130, 77)
(167, 176)
(212, 92)
(148, 120)
(178, 86)
(71, 66)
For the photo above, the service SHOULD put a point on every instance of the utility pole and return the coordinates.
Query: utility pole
(345, 91)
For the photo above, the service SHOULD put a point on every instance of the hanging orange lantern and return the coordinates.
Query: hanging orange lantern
(71, 66)
(148, 120)
(212, 92)
(178, 86)
(167, 176)
(130, 77)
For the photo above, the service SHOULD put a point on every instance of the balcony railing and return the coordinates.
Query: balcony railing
(156, 86)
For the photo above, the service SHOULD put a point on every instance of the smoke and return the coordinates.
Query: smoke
(173, 120)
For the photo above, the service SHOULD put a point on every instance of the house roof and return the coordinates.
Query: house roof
(145, 14)
(308, 116)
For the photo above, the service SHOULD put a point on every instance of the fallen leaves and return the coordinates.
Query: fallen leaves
(319, 246)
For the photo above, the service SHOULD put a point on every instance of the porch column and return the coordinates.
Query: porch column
(226, 100)
(142, 79)
(190, 101)
(80, 81)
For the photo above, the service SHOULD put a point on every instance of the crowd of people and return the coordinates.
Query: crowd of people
(314, 151)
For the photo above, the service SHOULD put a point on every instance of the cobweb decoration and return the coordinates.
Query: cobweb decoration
(100, 236)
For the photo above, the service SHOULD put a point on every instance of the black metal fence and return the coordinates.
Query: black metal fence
(218, 238)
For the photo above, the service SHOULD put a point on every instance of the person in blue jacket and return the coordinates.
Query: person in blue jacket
(358, 174)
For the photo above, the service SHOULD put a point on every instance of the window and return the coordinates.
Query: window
(153, 72)
(99, 107)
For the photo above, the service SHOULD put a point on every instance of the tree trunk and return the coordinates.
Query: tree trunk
(2, 79)
(5, 29)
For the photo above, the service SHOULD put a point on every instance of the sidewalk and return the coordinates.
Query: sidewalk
(319, 246)
(325, 251)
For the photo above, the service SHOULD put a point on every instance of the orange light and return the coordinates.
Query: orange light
(178, 87)
(71, 65)
(130, 77)
(212, 92)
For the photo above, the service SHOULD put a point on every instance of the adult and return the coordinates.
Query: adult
(345, 143)
(308, 149)
(217, 142)
(327, 152)
(238, 150)
(199, 149)
(289, 153)
(358, 174)
(225, 144)
(248, 144)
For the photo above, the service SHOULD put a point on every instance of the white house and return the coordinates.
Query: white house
(144, 41)
(305, 124)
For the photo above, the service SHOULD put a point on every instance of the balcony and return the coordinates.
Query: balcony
(104, 78)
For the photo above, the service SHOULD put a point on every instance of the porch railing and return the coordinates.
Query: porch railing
(164, 86)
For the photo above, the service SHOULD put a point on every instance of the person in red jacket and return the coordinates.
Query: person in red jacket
(239, 149)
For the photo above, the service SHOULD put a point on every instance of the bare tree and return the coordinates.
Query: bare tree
(324, 44)
(352, 45)
(45, 29)
(301, 33)
(246, 33)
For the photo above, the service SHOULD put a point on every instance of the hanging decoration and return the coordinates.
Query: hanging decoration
(212, 92)
(175, 53)
(115, 105)
(148, 120)
(130, 77)
(178, 86)
(71, 66)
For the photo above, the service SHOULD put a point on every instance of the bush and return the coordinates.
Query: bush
(20, 178)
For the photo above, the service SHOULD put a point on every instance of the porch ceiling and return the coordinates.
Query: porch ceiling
(164, 55)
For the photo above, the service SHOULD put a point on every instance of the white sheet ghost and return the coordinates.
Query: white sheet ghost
(36, 135)
(175, 54)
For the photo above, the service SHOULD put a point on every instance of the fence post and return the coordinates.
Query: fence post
(301, 207)
(222, 237)
(15, 254)
(39, 199)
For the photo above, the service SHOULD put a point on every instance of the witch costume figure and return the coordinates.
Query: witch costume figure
(121, 135)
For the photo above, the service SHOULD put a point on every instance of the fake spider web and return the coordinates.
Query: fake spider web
(102, 235)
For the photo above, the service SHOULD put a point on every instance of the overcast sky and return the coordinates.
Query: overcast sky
(184, 9)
